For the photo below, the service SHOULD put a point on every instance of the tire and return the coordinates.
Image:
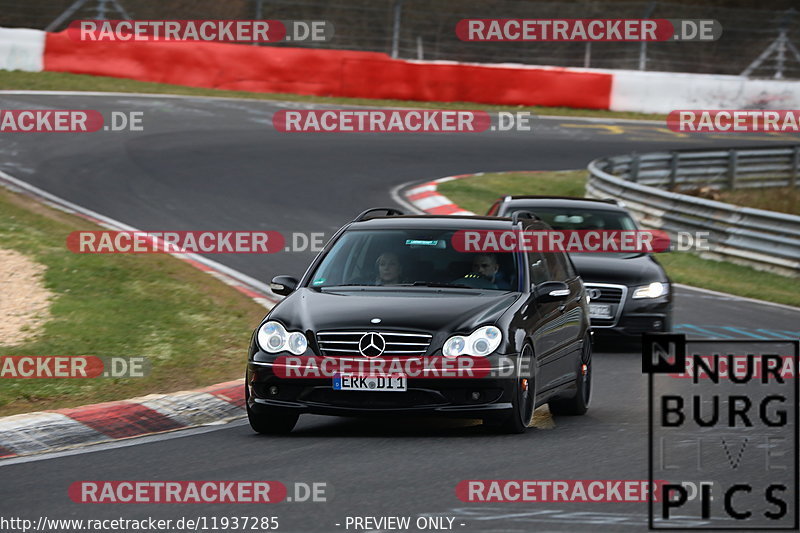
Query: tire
(270, 420)
(523, 401)
(579, 404)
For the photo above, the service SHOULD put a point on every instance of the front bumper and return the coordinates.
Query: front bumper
(638, 317)
(483, 397)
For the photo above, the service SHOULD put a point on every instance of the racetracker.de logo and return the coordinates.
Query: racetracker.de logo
(571, 241)
(564, 30)
(177, 492)
(435, 367)
(50, 120)
(228, 31)
(71, 366)
(381, 121)
(734, 120)
(206, 242)
(555, 490)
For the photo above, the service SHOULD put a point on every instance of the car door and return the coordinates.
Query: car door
(570, 320)
(543, 323)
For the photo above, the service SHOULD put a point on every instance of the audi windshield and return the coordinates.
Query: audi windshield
(561, 218)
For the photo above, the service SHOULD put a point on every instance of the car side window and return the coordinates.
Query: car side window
(538, 268)
(571, 274)
(559, 266)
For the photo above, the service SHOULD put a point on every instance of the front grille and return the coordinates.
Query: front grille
(614, 295)
(338, 343)
(608, 295)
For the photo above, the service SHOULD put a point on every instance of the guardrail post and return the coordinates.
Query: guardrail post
(795, 166)
(633, 171)
(673, 170)
(397, 12)
(732, 164)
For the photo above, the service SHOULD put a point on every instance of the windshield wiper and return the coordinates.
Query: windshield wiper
(437, 284)
(415, 284)
(344, 285)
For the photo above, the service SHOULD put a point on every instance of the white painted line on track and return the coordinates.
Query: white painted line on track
(727, 296)
(311, 104)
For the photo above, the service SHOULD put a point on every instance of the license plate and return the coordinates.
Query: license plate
(358, 382)
(600, 311)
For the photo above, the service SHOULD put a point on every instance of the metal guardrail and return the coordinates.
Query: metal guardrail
(729, 169)
(765, 240)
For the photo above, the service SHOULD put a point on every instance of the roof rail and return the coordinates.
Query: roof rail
(515, 218)
(390, 212)
(553, 197)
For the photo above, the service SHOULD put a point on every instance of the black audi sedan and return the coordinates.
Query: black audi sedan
(629, 293)
(394, 292)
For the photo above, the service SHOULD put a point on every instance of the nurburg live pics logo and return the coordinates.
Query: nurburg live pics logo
(726, 439)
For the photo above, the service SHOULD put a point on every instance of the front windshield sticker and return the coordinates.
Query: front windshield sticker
(415, 242)
(318, 281)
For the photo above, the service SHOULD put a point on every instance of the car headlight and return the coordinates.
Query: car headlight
(654, 290)
(274, 338)
(480, 342)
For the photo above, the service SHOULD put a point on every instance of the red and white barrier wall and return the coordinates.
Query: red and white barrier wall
(662, 92)
(22, 49)
(375, 75)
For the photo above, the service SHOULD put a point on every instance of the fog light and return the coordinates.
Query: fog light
(273, 390)
(475, 396)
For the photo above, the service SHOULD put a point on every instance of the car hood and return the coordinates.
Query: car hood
(412, 309)
(618, 268)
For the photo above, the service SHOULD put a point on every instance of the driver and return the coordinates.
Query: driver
(390, 270)
(485, 274)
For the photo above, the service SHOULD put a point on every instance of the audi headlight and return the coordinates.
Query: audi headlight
(274, 338)
(480, 342)
(654, 290)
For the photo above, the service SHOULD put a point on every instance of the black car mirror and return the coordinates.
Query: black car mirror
(551, 291)
(283, 285)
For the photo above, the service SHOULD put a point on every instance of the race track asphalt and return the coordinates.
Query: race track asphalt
(205, 164)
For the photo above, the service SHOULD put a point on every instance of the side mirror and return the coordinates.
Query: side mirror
(551, 291)
(283, 285)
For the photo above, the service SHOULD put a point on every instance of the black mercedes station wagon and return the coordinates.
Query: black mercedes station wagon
(629, 293)
(392, 292)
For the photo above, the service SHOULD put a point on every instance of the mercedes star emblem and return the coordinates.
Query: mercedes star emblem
(371, 345)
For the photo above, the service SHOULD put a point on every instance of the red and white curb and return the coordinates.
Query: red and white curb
(90, 424)
(426, 197)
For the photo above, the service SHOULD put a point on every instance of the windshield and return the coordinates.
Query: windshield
(412, 257)
(564, 218)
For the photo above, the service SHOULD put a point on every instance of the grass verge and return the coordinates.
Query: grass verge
(478, 193)
(781, 199)
(193, 329)
(62, 81)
